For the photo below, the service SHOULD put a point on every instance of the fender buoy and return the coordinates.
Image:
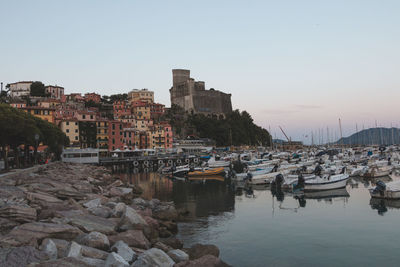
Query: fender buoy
(170, 162)
(187, 160)
(136, 163)
(179, 161)
(196, 160)
(160, 162)
(146, 163)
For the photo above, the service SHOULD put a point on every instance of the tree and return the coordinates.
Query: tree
(38, 89)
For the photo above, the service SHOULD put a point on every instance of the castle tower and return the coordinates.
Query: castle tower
(179, 76)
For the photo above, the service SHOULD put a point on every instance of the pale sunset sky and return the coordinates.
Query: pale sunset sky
(298, 64)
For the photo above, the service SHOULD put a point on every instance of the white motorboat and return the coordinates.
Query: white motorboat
(212, 163)
(326, 182)
(378, 171)
(390, 190)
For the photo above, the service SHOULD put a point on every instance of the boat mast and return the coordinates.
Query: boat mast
(340, 128)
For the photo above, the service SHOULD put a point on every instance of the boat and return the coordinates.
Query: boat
(378, 171)
(207, 178)
(326, 182)
(213, 163)
(207, 172)
(389, 190)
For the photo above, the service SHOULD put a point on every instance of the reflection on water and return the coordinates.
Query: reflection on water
(259, 227)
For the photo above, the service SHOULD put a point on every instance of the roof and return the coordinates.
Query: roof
(22, 82)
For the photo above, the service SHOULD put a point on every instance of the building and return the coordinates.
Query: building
(18, 104)
(20, 89)
(141, 110)
(46, 114)
(115, 135)
(141, 95)
(156, 110)
(71, 129)
(192, 95)
(55, 91)
(102, 133)
(121, 108)
(96, 98)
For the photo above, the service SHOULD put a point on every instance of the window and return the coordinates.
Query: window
(113, 141)
(83, 116)
(91, 117)
(76, 130)
(67, 130)
(76, 138)
(113, 133)
(76, 123)
(67, 123)
(113, 127)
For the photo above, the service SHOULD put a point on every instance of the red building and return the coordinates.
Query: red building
(92, 96)
(156, 110)
(115, 135)
(121, 109)
(167, 134)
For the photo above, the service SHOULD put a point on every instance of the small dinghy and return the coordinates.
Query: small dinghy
(207, 172)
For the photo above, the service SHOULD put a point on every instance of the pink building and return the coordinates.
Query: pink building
(115, 135)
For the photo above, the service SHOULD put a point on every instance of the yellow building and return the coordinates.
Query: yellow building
(143, 125)
(142, 112)
(71, 129)
(102, 134)
(157, 137)
(46, 114)
(141, 95)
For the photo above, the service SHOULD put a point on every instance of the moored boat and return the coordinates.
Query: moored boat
(390, 190)
(327, 182)
(207, 172)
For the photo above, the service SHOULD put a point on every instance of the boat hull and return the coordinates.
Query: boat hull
(387, 194)
(329, 185)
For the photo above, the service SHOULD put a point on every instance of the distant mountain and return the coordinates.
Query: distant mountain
(373, 136)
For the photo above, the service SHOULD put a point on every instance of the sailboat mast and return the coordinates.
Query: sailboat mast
(340, 128)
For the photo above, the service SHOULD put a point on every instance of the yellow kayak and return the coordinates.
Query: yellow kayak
(215, 171)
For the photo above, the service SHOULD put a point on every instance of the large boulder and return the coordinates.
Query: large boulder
(153, 258)
(122, 249)
(132, 220)
(92, 262)
(101, 211)
(115, 260)
(89, 223)
(94, 240)
(123, 192)
(205, 261)
(118, 209)
(134, 238)
(94, 253)
(162, 246)
(19, 213)
(173, 242)
(21, 256)
(178, 255)
(165, 212)
(34, 232)
(200, 250)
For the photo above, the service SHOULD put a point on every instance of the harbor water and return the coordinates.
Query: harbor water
(260, 228)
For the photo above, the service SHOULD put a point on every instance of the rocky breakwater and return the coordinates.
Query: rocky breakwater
(80, 215)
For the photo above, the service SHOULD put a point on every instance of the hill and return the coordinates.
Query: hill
(373, 136)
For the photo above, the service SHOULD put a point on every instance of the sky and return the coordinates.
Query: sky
(300, 65)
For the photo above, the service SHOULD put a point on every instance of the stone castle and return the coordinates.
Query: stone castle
(192, 95)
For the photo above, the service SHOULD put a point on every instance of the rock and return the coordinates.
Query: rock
(111, 204)
(154, 203)
(171, 226)
(92, 203)
(74, 194)
(165, 212)
(205, 261)
(30, 233)
(21, 256)
(118, 210)
(18, 213)
(49, 247)
(153, 258)
(115, 260)
(41, 198)
(64, 262)
(94, 253)
(133, 238)
(74, 250)
(131, 220)
(178, 255)
(94, 240)
(92, 262)
(90, 223)
(173, 242)
(121, 192)
(101, 211)
(61, 245)
(162, 246)
(140, 202)
(199, 250)
(116, 183)
(6, 225)
(122, 249)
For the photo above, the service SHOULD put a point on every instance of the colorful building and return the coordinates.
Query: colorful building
(92, 97)
(71, 129)
(55, 91)
(46, 114)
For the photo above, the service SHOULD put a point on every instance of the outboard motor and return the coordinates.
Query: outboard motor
(275, 168)
(389, 161)
(317, 171)
(300, 180)
(380, 188)
(249, 176)
(343, 170)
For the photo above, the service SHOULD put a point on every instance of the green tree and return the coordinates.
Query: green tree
(38, 89)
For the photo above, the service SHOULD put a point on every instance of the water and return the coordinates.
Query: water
(343, 229)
